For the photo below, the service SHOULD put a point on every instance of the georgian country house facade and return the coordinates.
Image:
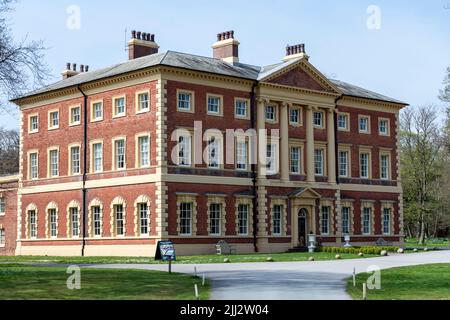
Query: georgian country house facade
(111, 160)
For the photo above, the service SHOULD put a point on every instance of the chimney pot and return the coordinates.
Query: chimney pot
(133, 34)
(68, 66)
(138, 34)
(146, 47)
(144, 36)
(82, 68)
(86, 68)
(74, 67)
(227, 51)
(153, 38)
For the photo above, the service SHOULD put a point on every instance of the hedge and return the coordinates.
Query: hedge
(357, 250)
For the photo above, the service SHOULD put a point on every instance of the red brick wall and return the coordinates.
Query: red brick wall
(8, 222)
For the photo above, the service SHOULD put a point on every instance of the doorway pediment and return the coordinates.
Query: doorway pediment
(307, 193)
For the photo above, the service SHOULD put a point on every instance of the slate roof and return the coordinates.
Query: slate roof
(197, 63)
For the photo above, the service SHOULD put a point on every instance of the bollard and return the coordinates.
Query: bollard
(196, 291)
(354, 277)
(195, 272)
(364, 291)
(203, 281)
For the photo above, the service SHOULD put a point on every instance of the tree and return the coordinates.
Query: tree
(421, 166)
(21, 62)
(445, 93)
(9, 151)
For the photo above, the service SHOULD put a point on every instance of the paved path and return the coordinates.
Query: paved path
(321, 280)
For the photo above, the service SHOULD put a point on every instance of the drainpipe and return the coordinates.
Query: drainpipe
(254, 169)
(83, 190)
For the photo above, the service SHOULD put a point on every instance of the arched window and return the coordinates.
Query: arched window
(118, 217)
(31, 229)
(142, 216)
(51, 220)
(95, 219)
(73, 219)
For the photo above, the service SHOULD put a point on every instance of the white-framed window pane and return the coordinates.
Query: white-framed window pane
(97, 223)
(74, 220)
(271, 158)
(98, 157)
(33, 165)
(318, 119)
(325, 223)
(215, 211)
(343, 163)
(118, 210)
(346, 220)
(241, 155)
(364, 165)
(144, 103)
(276, 219)
(32, 222)
(367, 214)
(342, 121)
(186, 218)
(318, 162)
(387, 221)
(54, 119)
(2, 205)
(144, 150)
(213, 153)
(75, 158)
(270, 113)
(241, 108)
(294, 116)
(34, 123)
(143, 218)
(364, 124)
(120, 106)
(54, 170)
(120, 154)
(184, 150)
(295, 160)
(184, 101)
(98, 110)
(243, 219)
(384, 167)
(75, 116)
(2, 237)
(52, 221)
(384, 126)
(213, 104)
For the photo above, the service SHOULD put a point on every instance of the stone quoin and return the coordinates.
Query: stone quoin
(110, 164)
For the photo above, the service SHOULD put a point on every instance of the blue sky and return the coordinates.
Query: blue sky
(405, 59)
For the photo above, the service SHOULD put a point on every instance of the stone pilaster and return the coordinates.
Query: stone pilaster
(284, 150)
(310, 174)
(331, 151)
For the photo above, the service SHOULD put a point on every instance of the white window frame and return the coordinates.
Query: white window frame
(216, 219)
(117, 114)
(140, 102)
(71, 159)
(2, 238)
(93, 168)
(52, 223)
(191, 101)
(347, 121)
(321, 118)
(325, 227)
(74, 223)
(186, 207)
(30, 123)
(299, 160)
(115, 155)
(242, 145)
(360, 118)
(246, 102)
(388, 166)
(33, 227)
(95, 221)
(347, 164)
(219, 112)
(273, 113)
(50, 172)
(299, 116)
(384, 220)
(144, 216)
(2, 205)
(277, 215)
(348, 220)
(72, 122)
(51, 126)
(139, 153)
(322, 163)
(271, 158)
(94, 117)
(30, 165)
(368, 154)
(241, 218)
(184, 143)
(388, 126)
(369, 222)
(218, 152)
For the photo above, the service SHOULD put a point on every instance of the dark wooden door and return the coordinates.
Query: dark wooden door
(302, 231)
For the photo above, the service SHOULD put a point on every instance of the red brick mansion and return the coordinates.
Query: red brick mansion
(174, 146)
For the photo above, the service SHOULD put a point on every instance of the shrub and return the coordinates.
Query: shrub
(373, 250)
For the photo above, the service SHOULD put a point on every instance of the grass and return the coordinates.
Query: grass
(20, 282)
(414, 243)
(427, 282)
(277, 257)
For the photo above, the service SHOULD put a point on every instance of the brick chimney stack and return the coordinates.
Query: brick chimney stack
(226, 48)
(141, 44)
(295, 52)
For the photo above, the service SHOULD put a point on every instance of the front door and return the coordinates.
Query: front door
(302, 228)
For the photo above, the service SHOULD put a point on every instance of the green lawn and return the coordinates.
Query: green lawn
(277, 257)
(49, 283)
(428, 282)
(430, 243)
